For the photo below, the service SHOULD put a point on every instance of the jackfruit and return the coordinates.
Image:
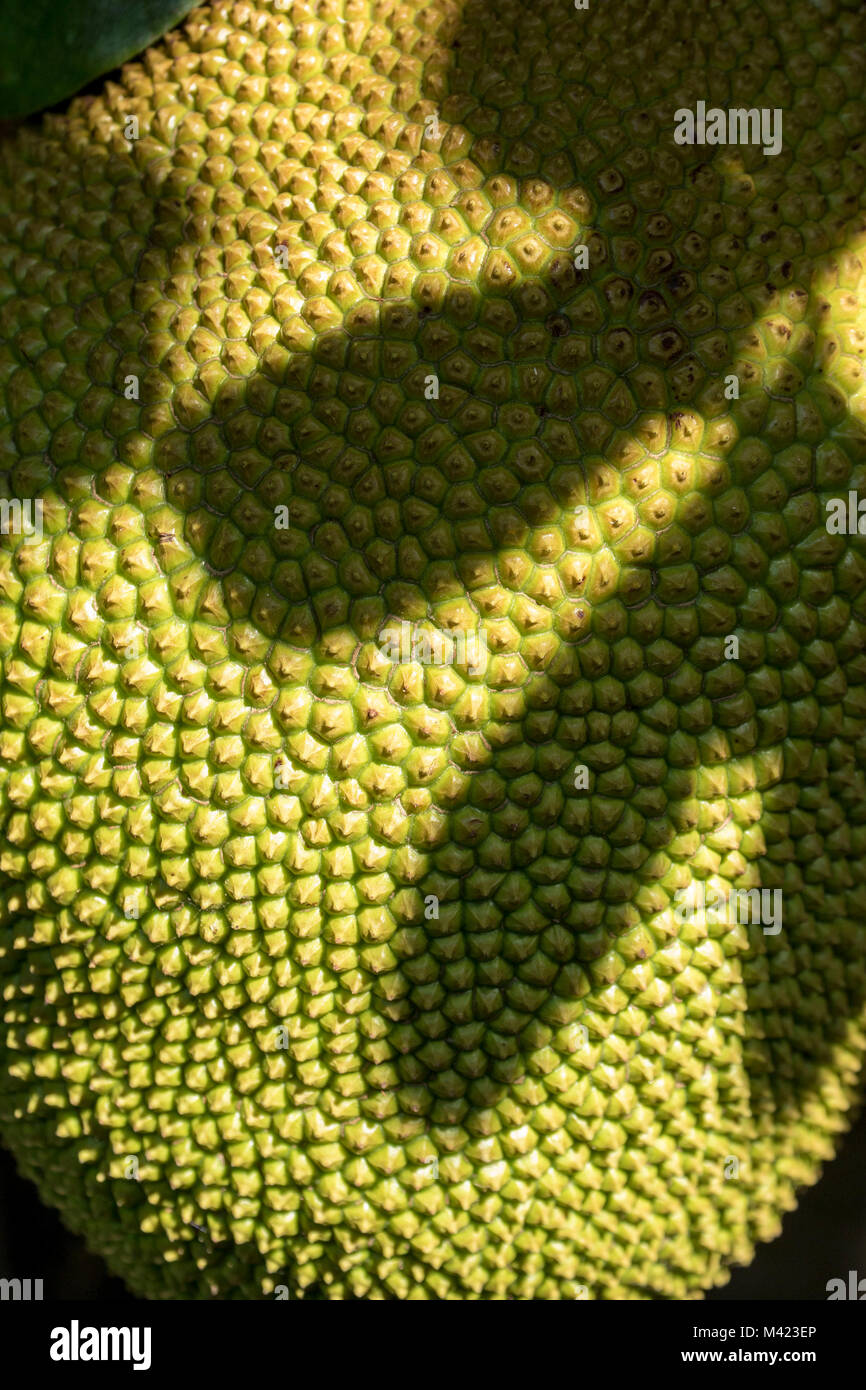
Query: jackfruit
(339, 960)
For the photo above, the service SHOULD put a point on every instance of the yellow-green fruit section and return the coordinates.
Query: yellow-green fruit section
(356, 975)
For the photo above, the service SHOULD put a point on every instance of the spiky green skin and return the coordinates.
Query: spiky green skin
(583, 489)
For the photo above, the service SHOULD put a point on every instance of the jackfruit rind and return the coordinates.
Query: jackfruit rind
(336, 974)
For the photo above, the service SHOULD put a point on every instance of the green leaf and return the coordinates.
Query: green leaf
(49, 49)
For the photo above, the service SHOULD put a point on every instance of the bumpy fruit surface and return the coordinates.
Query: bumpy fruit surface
(361, 976)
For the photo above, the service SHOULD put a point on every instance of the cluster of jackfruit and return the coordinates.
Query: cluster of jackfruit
(358, 976)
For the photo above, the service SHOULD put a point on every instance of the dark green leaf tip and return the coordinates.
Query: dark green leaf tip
(50, 49)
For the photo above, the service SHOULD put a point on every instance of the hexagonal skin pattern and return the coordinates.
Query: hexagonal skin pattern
(332, 968)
